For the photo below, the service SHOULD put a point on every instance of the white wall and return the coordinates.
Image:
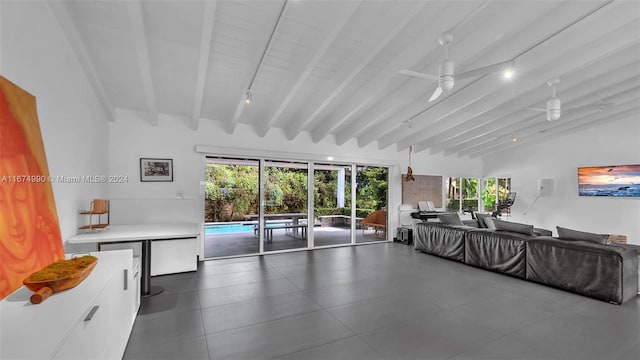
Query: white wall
(131, 138)
(614, 143)
(36, 56)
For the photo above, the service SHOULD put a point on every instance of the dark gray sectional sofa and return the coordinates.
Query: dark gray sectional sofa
(604, 272)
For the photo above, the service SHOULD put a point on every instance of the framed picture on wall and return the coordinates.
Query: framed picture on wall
(156, 169)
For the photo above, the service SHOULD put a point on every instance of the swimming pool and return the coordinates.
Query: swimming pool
(227, 228)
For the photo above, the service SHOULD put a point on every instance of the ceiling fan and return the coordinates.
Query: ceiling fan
(554, 105)
(446, 69)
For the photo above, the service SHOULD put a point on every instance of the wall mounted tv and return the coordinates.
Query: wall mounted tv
(615, 180)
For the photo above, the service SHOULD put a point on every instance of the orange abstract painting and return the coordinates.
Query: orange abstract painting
(29, 232)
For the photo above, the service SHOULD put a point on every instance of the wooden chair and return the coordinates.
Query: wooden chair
(98, 207)
(378, 221)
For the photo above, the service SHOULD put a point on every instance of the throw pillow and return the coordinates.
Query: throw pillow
(489, 222)
(481, 219)
(513, 227)
(450, 219)
(574, 235)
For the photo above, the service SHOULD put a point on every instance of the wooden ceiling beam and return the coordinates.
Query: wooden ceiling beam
(82, 54)
(352, 67)
(623, 111)
(538, 121)
(208, 20)
(136, 17)
(506, 117)
(572, 58)
(357, 114)
(429, 123)
(318, 52)
(231, 126)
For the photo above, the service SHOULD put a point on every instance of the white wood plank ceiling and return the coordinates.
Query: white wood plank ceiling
(331, 68)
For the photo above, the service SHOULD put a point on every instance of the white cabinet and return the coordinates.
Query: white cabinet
(174, 256)
(92, 320)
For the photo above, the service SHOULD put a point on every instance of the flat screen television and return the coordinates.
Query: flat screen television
(614, 180)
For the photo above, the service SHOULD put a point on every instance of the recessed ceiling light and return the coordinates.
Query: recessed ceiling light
(508, 73)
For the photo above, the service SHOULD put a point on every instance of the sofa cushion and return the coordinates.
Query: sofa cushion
(489, 223)
(440, 239)
(575, 235)
(499, 251)
(481, 219)
(450, 219)
(502, 225)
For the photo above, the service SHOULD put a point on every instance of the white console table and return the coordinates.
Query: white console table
(179, 242)
(90, 321)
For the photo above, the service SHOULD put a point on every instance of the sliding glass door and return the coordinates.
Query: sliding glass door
(371, 203)
(231, 207)
(257, 206)
(332, 204)
(285, 205)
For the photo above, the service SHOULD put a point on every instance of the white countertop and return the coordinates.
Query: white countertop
(136, 232)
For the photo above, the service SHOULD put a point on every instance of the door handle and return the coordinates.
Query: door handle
(126, 279)
(91, 313)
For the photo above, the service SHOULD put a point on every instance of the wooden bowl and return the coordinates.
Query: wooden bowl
(62, 283)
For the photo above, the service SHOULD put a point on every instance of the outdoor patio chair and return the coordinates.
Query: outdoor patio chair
(378, 221)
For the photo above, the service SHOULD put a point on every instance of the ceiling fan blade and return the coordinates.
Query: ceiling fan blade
(536, 109)
(436, 94)
(601, 107)
(484, 70)
(418, 74)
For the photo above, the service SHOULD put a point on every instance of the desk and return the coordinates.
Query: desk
(144, 233)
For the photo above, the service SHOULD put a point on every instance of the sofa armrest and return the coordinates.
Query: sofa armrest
(604, 272)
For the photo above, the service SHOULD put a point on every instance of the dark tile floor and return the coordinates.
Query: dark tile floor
(378, 301)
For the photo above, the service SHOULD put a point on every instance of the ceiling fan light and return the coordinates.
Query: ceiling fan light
(446, 75)
(553, 109)
(553, 115)
(446, 83)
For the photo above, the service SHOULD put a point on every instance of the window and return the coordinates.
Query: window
(493, 191)
(462, 194)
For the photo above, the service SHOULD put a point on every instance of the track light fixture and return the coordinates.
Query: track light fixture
(249, 97)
